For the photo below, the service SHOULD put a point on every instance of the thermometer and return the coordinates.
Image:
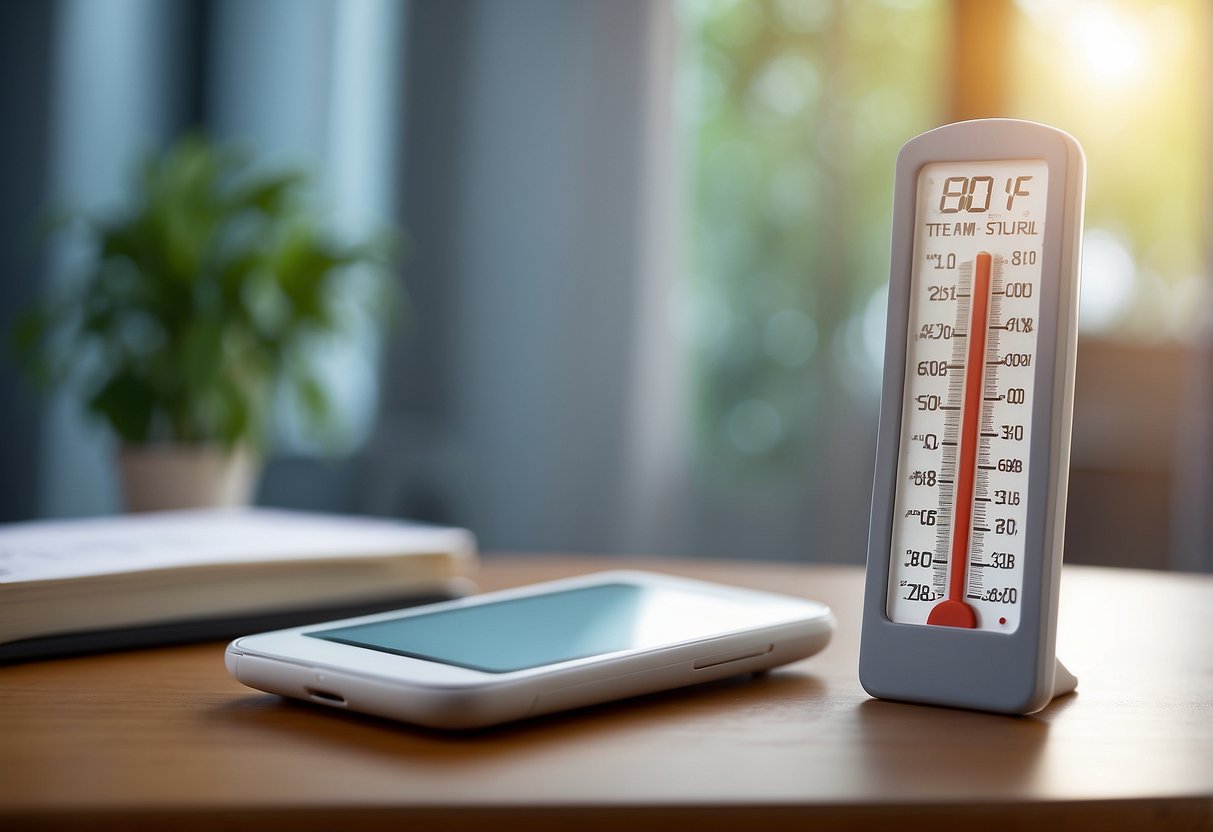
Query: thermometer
(968, 506)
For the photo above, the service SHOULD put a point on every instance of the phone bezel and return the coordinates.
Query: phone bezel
(294, 646)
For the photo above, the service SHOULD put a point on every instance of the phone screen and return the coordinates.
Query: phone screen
(537, 630)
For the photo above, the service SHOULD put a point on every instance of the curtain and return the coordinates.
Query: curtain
(536, 397)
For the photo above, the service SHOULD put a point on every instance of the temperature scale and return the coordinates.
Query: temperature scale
(968, 506)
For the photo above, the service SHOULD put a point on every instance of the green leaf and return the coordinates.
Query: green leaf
(202, 355)
(128, 403)
(271, 194)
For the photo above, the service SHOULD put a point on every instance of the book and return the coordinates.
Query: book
(91, 584)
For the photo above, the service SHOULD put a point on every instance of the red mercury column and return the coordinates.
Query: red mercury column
(954, 611)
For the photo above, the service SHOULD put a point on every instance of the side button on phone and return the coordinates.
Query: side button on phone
(735, 656)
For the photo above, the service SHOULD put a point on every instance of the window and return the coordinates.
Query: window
(1124, 78)
(792, 114)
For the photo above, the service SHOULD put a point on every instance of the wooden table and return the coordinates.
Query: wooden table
(165, 739)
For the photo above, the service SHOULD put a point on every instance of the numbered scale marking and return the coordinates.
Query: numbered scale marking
(957, 553)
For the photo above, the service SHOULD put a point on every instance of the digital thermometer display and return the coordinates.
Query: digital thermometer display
(960, 517)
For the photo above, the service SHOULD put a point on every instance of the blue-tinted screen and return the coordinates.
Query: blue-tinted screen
(518, 633)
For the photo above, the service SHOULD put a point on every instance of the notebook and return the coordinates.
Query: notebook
(69, 586)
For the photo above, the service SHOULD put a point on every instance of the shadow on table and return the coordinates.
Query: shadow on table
(712, 706)
(919, 752)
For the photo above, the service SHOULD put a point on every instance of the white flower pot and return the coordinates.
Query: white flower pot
(168, 476)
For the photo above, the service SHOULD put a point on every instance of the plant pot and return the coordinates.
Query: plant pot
(160, 477)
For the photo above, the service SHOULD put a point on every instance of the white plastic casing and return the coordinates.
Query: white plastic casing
(782, 629)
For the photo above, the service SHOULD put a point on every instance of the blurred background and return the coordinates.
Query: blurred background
(648, 248)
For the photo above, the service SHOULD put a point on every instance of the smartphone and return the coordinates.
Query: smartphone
(518, 653)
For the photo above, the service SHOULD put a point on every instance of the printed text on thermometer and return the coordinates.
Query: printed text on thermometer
(957, 551)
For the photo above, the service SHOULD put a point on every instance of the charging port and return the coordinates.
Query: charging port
(326, 697)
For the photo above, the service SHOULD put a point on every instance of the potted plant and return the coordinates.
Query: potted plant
(193, 315)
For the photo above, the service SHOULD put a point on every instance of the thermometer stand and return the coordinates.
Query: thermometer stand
(1063, 680)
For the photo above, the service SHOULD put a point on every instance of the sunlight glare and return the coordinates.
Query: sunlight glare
(1111, 47)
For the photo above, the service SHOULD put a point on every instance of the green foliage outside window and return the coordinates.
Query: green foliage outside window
(792, 116)
(793, 113)
(1129, 79)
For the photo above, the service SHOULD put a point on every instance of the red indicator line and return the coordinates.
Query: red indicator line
(953, 611)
